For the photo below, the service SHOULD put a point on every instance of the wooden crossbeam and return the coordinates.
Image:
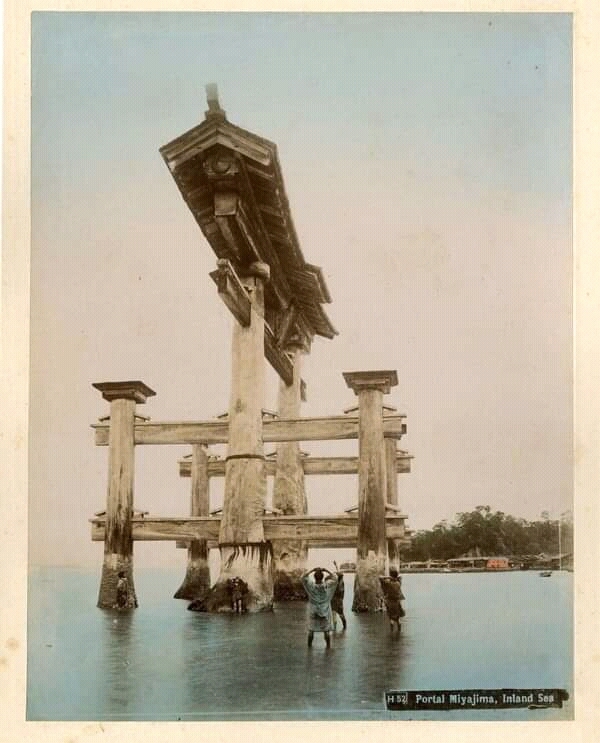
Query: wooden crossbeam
(216, 432)
(312, 466)
(232, 291)
(331, 530)
(234, 295)
(350, 543)
(286, 324)
(278, 359)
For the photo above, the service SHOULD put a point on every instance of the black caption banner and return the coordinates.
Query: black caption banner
(449, 699)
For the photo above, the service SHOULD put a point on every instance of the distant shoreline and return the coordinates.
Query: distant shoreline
(531, 569)
(405, 571)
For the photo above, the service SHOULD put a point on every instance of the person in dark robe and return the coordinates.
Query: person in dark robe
(320, 591)
(393, 597)
(337, 602)
(238, 593)
(197, 605)
(122, 601)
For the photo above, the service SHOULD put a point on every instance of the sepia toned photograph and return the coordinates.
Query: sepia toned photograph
(301, 379)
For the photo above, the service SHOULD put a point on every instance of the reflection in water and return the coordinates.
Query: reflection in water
(119, 677)
(380, 658)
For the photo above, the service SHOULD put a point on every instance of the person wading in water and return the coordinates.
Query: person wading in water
(393, 597)
(337, 602)
(320, 592)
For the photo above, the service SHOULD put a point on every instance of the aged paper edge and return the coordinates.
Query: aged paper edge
(15, 361)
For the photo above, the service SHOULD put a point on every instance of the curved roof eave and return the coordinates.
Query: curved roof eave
(216, 130)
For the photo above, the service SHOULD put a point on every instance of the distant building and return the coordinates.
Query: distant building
(467, 563)
(421, 566)
(479, 563)
(562, 562)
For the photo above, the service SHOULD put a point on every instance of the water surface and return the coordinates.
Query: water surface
(161, 662)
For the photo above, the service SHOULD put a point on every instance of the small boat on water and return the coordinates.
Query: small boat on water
(545, 573)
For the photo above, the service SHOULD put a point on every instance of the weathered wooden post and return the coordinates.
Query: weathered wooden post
(391, 458)
(372, 485)
(244, 551)
(289, 492)
(391, 463)
(118, 543)
(392, 497)
(196, 583)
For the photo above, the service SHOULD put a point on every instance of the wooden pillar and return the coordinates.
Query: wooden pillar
(244, 552)
(118, 543)
(372, 485)
(392, 498)
(393, 545)
(196, 583)
(289, 492)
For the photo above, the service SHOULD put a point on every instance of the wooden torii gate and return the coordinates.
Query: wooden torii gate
(367, 530)
(231, 180)
(232, 183)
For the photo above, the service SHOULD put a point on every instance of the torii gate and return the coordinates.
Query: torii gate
(232, 182)
(120, 525)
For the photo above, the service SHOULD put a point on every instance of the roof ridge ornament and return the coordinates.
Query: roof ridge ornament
(214, 107)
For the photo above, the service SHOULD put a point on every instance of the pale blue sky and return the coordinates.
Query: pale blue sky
(490, 90)
(427, 158)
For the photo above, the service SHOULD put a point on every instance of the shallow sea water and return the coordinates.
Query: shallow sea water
(162, 662)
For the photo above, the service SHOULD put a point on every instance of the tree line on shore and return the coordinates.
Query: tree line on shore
(486, 533)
